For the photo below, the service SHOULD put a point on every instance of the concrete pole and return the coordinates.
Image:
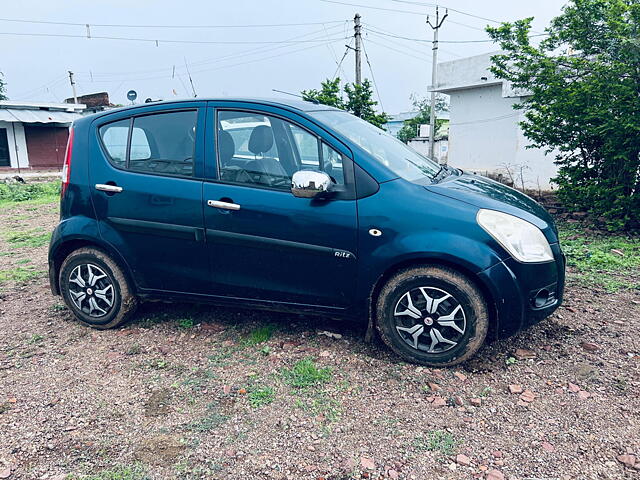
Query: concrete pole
(357, 28)
(73, 87)
(434, 70)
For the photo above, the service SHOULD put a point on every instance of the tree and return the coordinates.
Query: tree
(410, 127)
(584, 103)
(3, 87)
(359, 99)
(329, 94)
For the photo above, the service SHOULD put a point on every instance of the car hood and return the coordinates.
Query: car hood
(485, 193)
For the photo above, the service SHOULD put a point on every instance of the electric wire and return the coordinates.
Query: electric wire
(156, 40)
(115, 25)
(342, 59)
(373, 77)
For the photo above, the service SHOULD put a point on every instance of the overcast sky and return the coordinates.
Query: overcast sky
(35, 67)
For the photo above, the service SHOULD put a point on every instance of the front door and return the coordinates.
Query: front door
(145, 176)
(265, 244)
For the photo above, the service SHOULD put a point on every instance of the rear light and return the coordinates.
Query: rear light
(66, 167)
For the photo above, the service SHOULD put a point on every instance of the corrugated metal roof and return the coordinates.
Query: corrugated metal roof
(36, 116)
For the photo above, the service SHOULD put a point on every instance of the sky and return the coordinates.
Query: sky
(243, 48)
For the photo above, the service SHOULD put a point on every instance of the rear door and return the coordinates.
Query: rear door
(146, 174)
(264, 244)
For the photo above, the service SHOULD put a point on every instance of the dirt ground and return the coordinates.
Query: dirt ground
(201, 392)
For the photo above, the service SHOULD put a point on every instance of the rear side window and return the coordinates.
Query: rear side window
(114, 138)
(161, 143)
(164, 143)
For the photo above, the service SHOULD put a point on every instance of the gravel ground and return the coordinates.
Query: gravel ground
(200, 392)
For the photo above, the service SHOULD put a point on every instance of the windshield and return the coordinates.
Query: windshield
(383, 147)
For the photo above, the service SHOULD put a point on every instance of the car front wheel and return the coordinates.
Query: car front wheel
(95, 289)
(432, 315)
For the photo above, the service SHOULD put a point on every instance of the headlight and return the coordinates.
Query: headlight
(524, 241)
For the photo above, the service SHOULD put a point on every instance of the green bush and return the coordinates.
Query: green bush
(22, 192)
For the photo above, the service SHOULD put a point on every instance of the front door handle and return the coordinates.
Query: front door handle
(104, 187)
(223, 205)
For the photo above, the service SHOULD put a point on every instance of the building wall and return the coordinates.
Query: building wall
(17, 144)
(440, 149)
(46, 145)
(484, 137)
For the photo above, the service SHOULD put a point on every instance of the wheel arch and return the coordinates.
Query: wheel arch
(61, 251)
(435, 262)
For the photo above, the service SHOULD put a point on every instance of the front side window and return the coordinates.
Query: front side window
(266, 151)
(252, 149)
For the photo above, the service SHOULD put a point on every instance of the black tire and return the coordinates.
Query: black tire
(392, 308)
(84, 262)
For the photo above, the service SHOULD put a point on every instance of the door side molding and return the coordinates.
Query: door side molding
(167, 229)
(244, 239)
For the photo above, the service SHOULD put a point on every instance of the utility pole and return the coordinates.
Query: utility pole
(434, 70)
(73, 87)
(358, 37)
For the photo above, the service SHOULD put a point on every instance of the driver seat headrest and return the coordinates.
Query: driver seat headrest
(261, 140)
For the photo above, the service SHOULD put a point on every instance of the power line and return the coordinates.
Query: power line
(371, 7)
(404, 46)
(243, 53)
(398, 51)
(461, 12)
(424, 40)
(342, 59)
(229, 65)
(115, 25)
(156, 40)
(373, 78)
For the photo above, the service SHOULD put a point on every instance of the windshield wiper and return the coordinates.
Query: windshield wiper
(443, 168)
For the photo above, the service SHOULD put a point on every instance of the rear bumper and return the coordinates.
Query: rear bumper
(525, 294)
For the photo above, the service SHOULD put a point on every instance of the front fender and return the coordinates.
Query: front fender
(440, 247)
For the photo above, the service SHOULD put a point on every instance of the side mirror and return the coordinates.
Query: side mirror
(310, 183)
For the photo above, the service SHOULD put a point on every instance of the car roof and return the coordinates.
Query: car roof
(293, 104)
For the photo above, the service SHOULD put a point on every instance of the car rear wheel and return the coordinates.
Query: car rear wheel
(95, 289)
(434, 316)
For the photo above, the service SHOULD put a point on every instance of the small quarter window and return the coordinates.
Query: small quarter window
(114, 138)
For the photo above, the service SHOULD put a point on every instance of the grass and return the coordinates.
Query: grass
(19, 274)
(44, 192)
(209, 422)
(437, 441)
(126, 472)
(320, 405)
(185, 323)
(260, 335)
(35, 338)
(610, 261)
(305, 374)
(30, 238)
(261, 396)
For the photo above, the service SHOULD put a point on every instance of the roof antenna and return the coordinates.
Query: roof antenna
(193, 89)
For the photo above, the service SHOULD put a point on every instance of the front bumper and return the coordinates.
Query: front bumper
(525, 293)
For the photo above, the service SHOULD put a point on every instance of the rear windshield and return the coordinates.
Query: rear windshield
(383, 147)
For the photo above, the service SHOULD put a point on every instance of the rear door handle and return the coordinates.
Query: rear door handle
(223, 205)
(103, 187)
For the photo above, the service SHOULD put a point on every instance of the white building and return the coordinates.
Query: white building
(484, 133)
(34, 135)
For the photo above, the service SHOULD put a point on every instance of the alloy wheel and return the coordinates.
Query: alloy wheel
(430, 319)
(91, 290)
